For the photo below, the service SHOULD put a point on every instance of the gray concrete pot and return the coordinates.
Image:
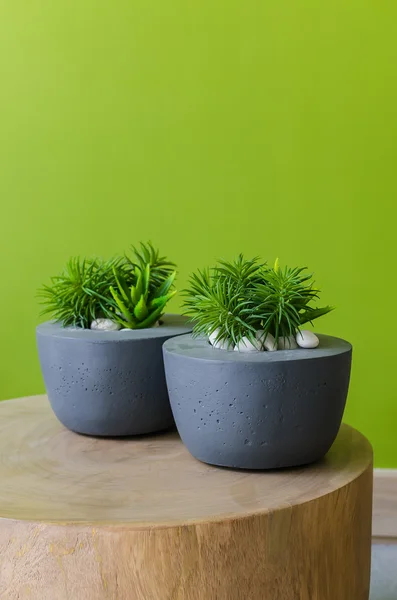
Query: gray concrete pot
(108, 383)
(260, 410)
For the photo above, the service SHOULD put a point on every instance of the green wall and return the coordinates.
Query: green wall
(210, 128)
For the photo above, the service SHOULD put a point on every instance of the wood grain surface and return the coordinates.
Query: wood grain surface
(140, 519)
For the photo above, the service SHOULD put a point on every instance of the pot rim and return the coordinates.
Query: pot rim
(200, 349)
(172, 325)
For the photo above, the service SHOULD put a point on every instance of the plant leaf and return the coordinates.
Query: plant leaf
(150, 319)
(121, 285)
(123, 309)
(314, 313)
(141, 310)
(162, 300)
(165, 286)
(139, 282)
(146, 280)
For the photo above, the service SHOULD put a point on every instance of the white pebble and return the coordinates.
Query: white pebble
(267, 341)
(287, 343)
(105, 325)
(307, 339)
(245, 345)
(212, 337)
(224, 345)
(220, 344)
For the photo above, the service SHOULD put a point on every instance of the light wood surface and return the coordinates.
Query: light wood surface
(384, 526)
(140, 519)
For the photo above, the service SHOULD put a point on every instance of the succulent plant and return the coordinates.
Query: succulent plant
(131, 291)
(140, 305)
(80, 294)
(237, 299)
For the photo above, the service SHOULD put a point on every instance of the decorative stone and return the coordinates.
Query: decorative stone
(220, 344)
(212, 337)
(105, 325)
(307, 339)
(245, 345)
(287, 343)
(267, 341)
(224, 345)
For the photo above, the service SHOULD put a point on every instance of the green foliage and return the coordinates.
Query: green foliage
(131, 291)
(221, 299)
(140, 305)
(242, 271)
(160, 267)
(283, 299)
(81, 293)
(238, 298)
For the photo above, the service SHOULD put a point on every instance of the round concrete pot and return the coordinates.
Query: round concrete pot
(259, 410)
(108, 383)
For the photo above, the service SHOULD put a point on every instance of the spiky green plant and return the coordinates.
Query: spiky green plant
(283, 300)
(242, 271)
(160, 267)
(221, 299)
(236, 299)
(132, 291)
(80, 293)
(140, 305)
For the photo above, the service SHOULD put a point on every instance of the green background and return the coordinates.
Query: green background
(210, 128)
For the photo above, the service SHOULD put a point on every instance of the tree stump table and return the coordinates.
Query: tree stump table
(140, 519)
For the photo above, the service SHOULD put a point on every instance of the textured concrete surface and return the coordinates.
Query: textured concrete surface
(384, 572)
(108, 383)
(257, 410)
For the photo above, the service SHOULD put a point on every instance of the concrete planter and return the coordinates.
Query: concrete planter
(262, 410)
(108, 383)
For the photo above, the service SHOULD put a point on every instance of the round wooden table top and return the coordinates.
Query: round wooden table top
(49, 474)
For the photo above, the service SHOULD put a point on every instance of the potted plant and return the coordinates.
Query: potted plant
(251, 388)
(101, 356)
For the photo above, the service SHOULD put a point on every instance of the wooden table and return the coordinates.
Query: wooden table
(140, 519)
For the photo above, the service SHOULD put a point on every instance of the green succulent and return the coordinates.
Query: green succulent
(220, 299)
(140, 305)
(283, 300)
(131, 291)
(238, 298)
(160, 267)
(80, 294)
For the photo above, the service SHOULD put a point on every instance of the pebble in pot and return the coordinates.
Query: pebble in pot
(245, 345)
(267, 341)
(219, 344)
(307, 339)
(104, 325)
(287, 343)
